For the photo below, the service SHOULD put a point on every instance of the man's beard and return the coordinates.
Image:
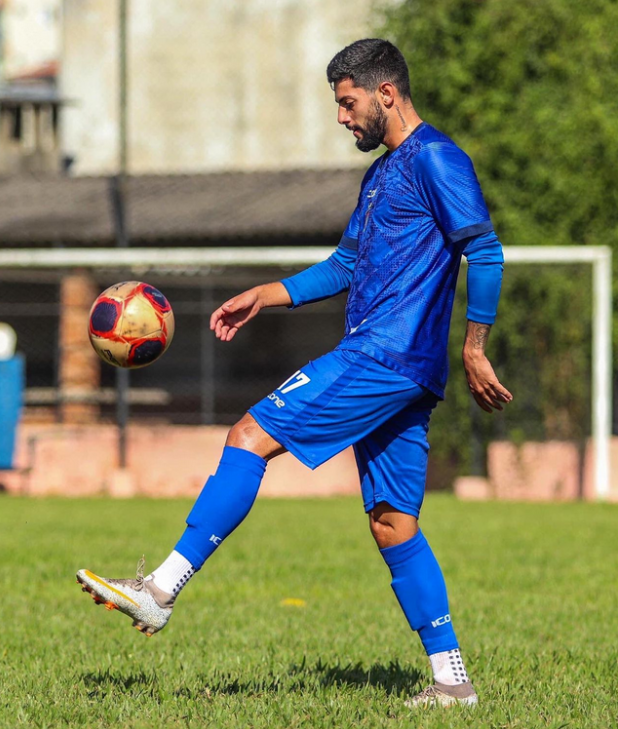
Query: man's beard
(375, 131)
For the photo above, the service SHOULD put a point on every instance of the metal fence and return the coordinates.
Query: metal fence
(199, 380)
(541, 348)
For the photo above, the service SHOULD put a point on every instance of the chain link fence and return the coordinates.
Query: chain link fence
(200, 380)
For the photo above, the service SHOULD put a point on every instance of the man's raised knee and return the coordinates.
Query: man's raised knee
(250, 436)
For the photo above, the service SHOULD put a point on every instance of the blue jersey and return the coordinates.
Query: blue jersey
(417, 206)
(420, 207)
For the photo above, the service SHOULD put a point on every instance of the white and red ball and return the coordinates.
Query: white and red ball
(131, 324)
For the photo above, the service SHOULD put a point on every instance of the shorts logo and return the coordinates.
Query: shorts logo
(441, 621)
(277, 400)
(298, 379)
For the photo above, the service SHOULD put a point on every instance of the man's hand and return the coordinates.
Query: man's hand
(235, 313)
(485, 387)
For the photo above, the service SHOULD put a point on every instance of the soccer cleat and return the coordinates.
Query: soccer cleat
(140, 599)
(463, 694)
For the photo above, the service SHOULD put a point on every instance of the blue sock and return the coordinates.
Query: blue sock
(420, 589)
(224, 502)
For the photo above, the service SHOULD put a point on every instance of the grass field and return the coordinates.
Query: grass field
(533, 596)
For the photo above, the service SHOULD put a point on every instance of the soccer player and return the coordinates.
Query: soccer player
(420, 208)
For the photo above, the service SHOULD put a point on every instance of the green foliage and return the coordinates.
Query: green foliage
(529, 89)
(532, 595)
(541, 351)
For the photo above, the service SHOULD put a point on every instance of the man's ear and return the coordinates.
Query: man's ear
(386, 94)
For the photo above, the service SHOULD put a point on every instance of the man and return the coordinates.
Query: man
(420, 207)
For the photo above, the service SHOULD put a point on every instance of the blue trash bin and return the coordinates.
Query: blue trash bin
(11, 397)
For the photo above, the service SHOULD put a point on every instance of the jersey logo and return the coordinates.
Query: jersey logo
(353, 329)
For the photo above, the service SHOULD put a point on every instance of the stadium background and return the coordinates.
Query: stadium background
(230, 139)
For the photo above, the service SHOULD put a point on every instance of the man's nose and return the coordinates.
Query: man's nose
(342, 116)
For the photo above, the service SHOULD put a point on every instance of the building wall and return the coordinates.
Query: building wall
(213, 84)
(31, 34)
(162, 461)
(88, 79)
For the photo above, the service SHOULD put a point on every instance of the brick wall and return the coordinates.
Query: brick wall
(163, 461)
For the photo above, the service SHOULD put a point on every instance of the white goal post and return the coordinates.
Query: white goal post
(599, 257)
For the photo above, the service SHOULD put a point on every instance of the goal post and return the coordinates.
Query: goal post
(140, 260)
(600, 257)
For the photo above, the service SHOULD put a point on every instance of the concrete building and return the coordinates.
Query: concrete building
(31, 34)
(212, 84)
(29, 102)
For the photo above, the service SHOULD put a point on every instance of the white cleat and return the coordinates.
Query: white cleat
(463, 694)
(140, 599)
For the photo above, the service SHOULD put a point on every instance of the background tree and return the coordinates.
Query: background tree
(530, 91)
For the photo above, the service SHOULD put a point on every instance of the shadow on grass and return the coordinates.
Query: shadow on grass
(100, 682)
(392, 678)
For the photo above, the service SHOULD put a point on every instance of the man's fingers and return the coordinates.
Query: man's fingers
(488, 405)
(501, 395)
(221, 329)
(496, 399)
(480, 401)
(485, 387)
(503, 392)
(224, 324)
(489, 397)
(218, 315)
(215, 318)
(230, 306)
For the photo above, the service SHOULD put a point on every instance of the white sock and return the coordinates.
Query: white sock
(448, 668)
(173, 574)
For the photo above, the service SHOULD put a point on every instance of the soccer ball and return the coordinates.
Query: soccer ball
(131, 324)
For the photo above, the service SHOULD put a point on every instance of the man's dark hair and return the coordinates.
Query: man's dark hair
(370, 62)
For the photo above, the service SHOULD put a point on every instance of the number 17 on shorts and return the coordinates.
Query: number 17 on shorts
(298, 379)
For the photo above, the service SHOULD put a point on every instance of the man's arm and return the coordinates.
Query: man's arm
(320, 281)
(325, 279)
(315, 283)
(334, 275)
(484, 255)
(451, 190)
(485, 387)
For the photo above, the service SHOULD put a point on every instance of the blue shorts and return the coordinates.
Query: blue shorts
(347, 398)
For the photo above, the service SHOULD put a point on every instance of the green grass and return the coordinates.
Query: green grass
(533, 596)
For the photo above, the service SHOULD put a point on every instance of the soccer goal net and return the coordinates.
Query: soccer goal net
(551, 345)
